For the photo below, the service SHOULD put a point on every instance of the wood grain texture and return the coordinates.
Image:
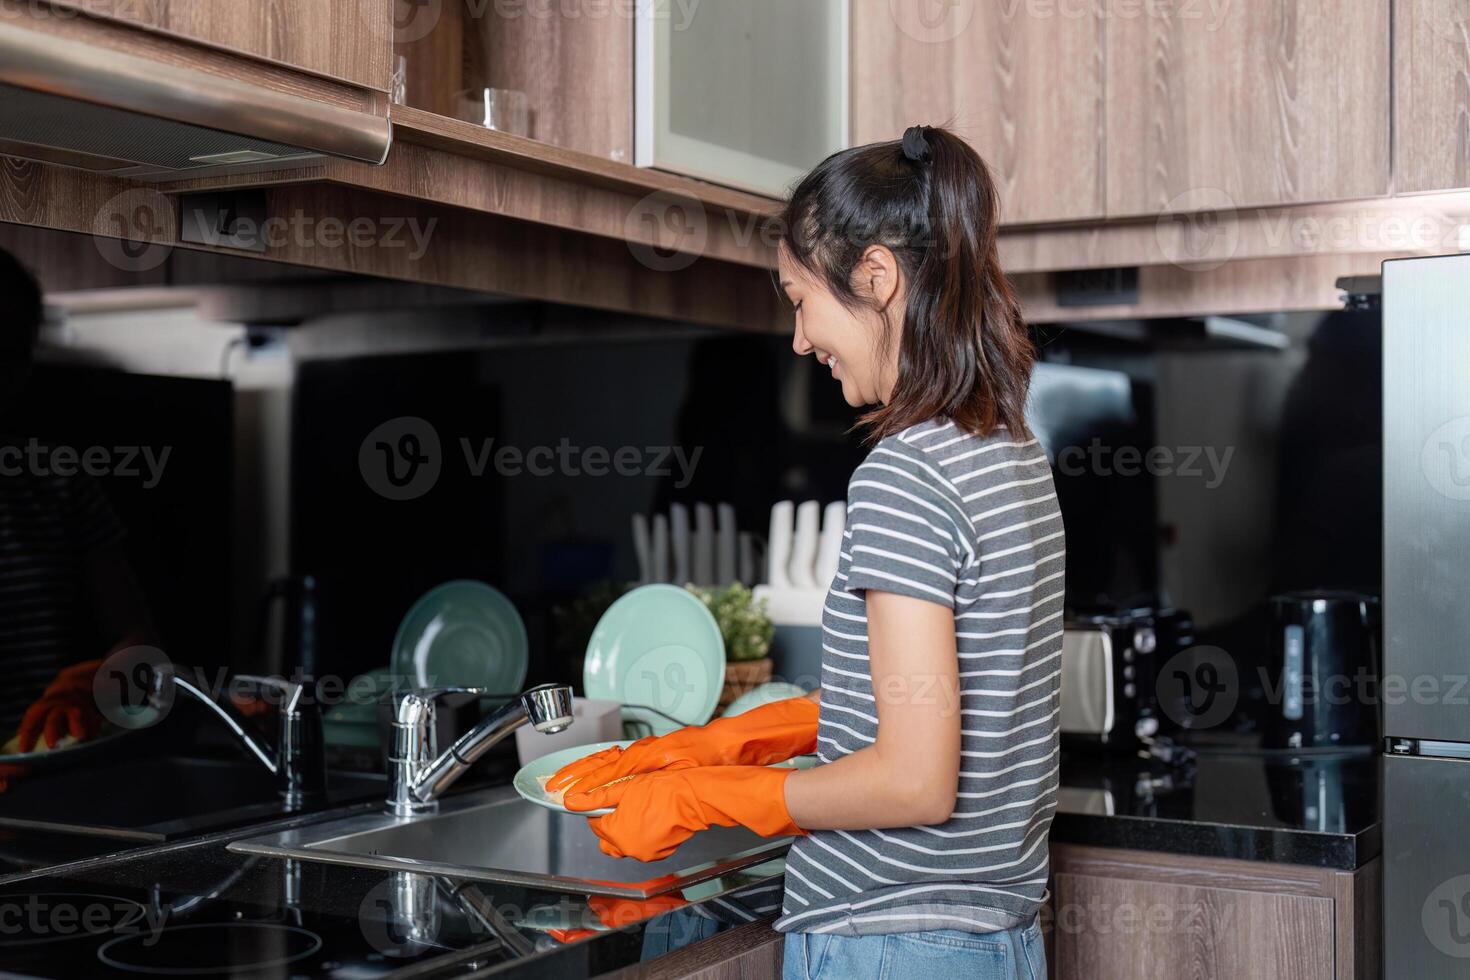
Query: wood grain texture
(1113, 929)
(1265, 102)
(458, 164)
(752, 951)
(1030, 100)
(169, 49)
(1431, 94)
(1241, 286)
(898, 80)
(1022, 83)
(460, 248)
(436, 59)
(349, 40)
(1427, 224)
(573, 61)
(663, 222)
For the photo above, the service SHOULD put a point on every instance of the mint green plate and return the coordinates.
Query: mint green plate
(657, 646)
(462, 634)
(529, 786)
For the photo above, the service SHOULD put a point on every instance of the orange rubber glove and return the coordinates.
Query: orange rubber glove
(9, 774)
(66, 707)
(658, 811)
(771, 733)
(615, 913)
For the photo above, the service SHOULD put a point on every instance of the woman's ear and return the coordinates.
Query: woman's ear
(876, 275)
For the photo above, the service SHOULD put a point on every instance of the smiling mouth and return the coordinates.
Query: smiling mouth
(831, 362)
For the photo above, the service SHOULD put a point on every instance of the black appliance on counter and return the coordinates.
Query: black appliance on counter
(1110, 662)
(1324, 669)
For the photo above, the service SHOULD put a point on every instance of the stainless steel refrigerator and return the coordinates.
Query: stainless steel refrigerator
(1426, 617)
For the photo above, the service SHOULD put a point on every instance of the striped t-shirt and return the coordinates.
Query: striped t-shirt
(973, 524)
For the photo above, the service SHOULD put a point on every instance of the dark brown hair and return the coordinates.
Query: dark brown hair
(964, 351)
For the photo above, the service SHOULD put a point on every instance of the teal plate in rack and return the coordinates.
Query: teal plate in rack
(462, 634)
(659, 647)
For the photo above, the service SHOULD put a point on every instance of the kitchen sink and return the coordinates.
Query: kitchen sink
(494, 835)
(158, 798)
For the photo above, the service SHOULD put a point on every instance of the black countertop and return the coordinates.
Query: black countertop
(1232, 801)
(193, 904)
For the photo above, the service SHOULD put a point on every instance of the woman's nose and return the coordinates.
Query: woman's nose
(799, 342)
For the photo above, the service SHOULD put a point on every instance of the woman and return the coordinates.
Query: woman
(924, 831)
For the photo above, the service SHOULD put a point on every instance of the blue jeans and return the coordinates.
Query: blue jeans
(1015, 954)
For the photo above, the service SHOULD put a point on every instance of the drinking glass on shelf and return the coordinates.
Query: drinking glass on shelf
(501, 109)
(398, 87)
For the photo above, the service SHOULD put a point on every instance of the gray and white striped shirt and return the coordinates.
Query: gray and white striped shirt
(973, 524)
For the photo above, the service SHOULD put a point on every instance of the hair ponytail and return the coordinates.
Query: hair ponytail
(964, 351)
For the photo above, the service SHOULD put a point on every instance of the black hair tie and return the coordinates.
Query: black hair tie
(916, 144)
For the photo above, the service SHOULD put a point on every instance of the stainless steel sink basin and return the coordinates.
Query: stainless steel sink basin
(494, 835)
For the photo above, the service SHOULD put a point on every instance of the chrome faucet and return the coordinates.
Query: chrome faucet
(299, 759)
(419, 774)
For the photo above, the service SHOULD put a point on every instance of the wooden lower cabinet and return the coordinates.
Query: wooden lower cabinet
(1126, 915)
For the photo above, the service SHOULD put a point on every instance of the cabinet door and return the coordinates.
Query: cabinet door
(1023, 83)
(751, 94)
(1432, 95)
(349, 40)
(1254, 102)
(1121, 929)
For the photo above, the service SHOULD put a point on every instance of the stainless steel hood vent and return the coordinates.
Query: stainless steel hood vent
(78, 105)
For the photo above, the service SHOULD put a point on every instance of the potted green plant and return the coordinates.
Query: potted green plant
(747, 631)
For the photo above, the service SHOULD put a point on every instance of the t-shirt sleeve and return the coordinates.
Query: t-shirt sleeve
(903, 534)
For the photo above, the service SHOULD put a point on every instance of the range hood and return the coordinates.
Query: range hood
(78, 105)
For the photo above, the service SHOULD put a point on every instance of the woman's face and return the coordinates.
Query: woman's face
(848, 342)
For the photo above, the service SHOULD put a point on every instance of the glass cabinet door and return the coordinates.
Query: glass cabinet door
(750, 93)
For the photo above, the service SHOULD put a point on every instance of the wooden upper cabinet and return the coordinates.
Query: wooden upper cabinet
(1250, 103)
(346, 40)
(1432, 95)
(1023, 83)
